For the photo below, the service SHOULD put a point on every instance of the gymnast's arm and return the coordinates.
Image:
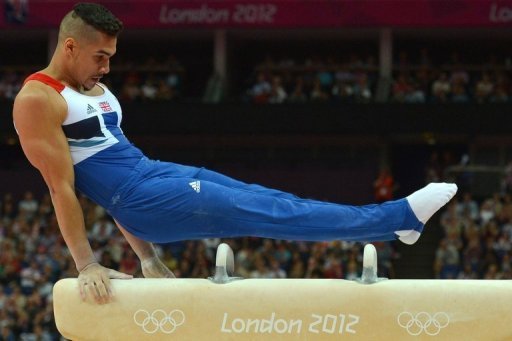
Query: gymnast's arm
(152, 266)
(38, 117)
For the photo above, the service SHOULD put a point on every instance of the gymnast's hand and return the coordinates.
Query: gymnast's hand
(94, 279)
(154, 268)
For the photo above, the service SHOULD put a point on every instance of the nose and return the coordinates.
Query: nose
(105, 68)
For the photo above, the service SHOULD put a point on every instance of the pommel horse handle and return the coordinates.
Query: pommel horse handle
(224, 265)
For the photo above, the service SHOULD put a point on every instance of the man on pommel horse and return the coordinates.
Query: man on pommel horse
(69, 127)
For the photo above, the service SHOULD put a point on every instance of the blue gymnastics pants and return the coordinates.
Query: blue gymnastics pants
(165, 202)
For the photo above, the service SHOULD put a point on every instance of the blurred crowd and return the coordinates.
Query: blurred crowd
(352, 79)
(151, 80)
(477, 236)
(451, 81)
(356, 80)
(34, 256)
(314, 80)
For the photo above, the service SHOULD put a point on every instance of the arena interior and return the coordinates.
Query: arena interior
(353, 102)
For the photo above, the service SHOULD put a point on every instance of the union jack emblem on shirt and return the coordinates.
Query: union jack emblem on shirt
(105, 107)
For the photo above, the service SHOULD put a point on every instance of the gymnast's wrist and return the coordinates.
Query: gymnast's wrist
(86, 266)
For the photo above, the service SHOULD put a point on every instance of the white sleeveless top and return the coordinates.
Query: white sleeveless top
(90, 121)
(102, 155)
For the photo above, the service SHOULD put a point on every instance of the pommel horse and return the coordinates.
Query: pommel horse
(229, 308)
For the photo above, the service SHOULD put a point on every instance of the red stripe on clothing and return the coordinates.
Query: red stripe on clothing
(46, 80)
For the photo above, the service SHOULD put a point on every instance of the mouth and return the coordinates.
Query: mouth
(96, 79)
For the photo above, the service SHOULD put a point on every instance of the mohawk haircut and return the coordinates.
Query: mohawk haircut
(98, 17)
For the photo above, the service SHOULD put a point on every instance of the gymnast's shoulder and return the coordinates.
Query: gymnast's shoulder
(36, 101)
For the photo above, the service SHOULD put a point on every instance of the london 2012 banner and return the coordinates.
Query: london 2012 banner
(272, 13)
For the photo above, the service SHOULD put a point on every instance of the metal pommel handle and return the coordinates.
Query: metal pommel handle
(369, 274)
(224, 265)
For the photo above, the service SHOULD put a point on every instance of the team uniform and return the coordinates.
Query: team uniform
(165, 202)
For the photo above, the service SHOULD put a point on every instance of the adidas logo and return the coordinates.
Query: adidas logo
(90, 109)
(196, 186)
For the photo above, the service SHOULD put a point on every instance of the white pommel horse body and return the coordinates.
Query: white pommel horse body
(223, 308)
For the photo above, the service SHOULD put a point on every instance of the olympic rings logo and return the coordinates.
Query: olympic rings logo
(423, 322)
(159, 320)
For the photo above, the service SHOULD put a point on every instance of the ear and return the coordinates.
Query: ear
(70, 46)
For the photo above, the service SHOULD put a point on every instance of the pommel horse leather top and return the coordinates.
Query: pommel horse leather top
(289, 309)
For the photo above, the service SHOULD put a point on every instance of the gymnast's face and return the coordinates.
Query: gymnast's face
(90, 58)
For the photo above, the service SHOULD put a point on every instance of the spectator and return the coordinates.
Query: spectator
(164, 91)
(362, 91)
(38, 334)
(484, 88)
(260, 269)
(459, 76)
(149, 89)
(352, 271)
(467, 273)
(423, 80)
(486, 211)
(317, 93)
(468, 206)
(459, 93)
(10, 85)
(384, 186)
(46, 206)
(298, 94)
(102, 230)
(3, 298)
(173, 81)
(297, 268)
(30, 275)
(402, 88)
(441, 88)
(277, 92)
(201, 267)
(473, 252)
(325, 78)
(492, 272)
(275, 270)
(385, 255)
(28, 206)
(129, 263)
(260, 91)
(130, 90)
(7, 334)
(344, 75)
(106, 258)
(416, 94)
(169, 260)
(447, 260)
(501, 95)
(403, 60)
(343, 91)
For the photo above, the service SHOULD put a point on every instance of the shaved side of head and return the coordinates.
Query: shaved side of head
(86, 20)
(74, 27)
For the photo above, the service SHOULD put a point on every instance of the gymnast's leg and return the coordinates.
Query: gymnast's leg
(424, 203)
(168, 209)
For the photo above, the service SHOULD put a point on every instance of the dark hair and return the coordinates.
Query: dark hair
(98, 17)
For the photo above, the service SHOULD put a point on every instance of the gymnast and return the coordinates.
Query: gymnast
(69, 128)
